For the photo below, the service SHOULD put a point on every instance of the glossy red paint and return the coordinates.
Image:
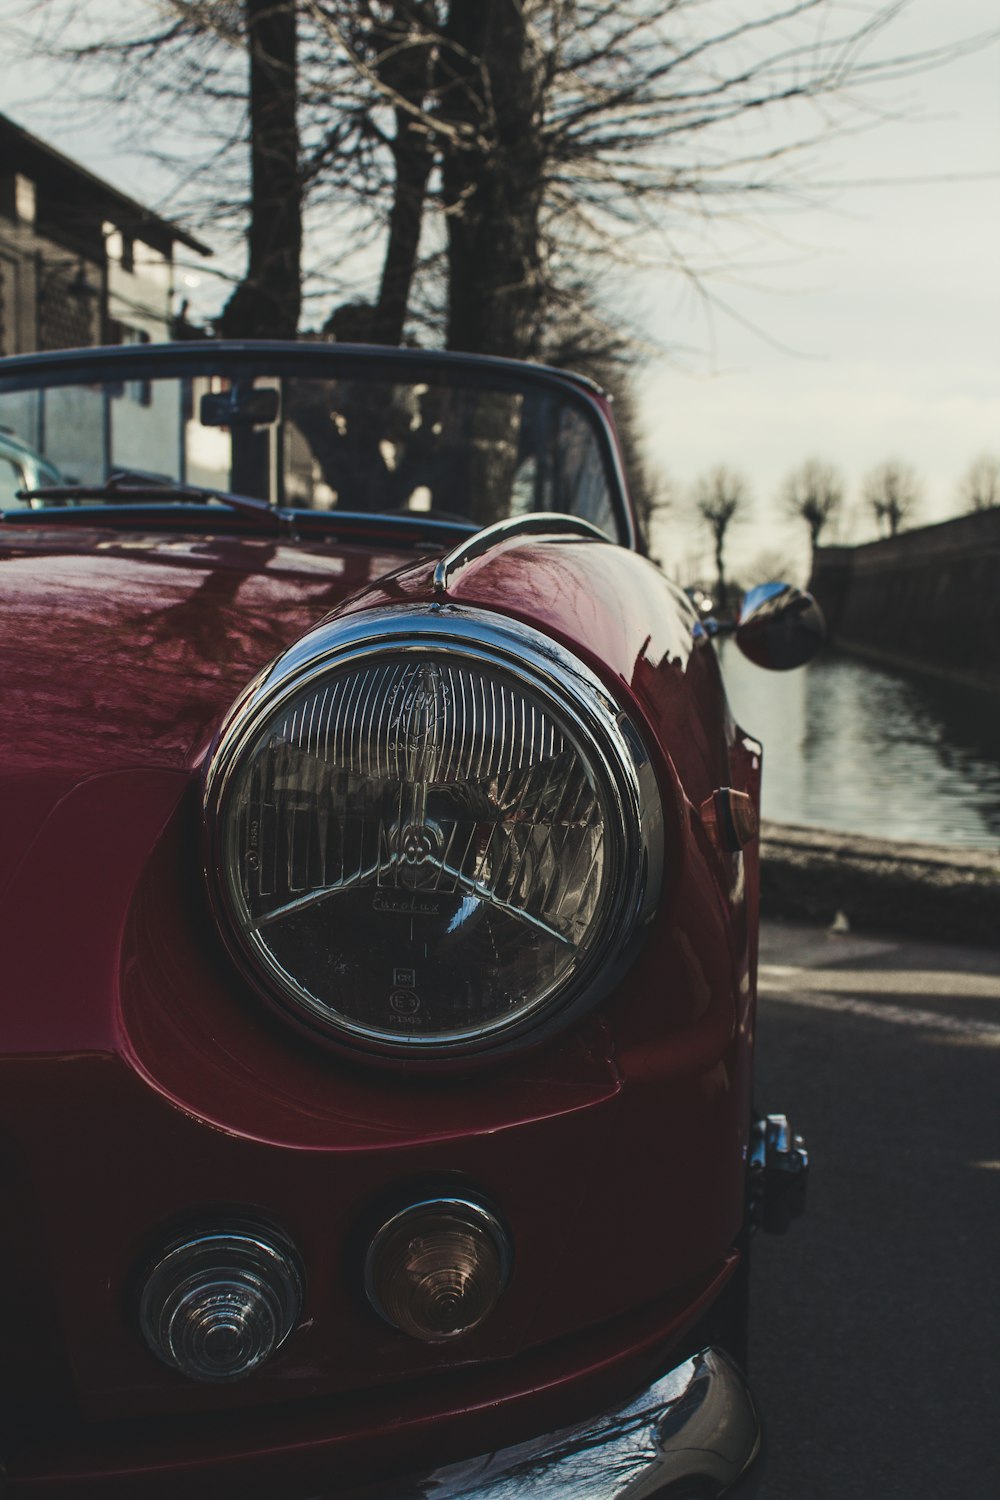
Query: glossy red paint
(142, 1087)
(125, 650)
(319, 1448)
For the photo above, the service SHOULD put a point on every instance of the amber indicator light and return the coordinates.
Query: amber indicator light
(436, 1270)
(730, 819)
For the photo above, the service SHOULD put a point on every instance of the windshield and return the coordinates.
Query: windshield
(435, 438)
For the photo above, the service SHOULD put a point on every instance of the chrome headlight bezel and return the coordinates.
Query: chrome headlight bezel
(546, 669)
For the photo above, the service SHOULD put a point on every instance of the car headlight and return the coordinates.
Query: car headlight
(432, 833)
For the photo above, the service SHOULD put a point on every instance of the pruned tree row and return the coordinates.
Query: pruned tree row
(815, 493)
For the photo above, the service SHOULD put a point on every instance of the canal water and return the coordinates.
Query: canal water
(861, 749)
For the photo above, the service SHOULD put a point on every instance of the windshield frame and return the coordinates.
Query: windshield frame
(249, 358)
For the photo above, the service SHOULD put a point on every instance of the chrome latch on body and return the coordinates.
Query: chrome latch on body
(779, 1173)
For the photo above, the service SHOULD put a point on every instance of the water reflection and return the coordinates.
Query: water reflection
(859, 748)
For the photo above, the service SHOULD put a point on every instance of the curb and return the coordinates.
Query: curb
(916, 890)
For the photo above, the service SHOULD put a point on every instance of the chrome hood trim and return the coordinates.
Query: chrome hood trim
(535, 523)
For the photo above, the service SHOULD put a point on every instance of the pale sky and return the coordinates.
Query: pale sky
(875, 312)
(890, 300)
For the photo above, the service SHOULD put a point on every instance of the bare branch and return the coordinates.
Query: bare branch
(814, 493)
(979, 488)
(892, 494)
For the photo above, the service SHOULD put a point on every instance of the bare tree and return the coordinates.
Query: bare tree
(769, 566)
(587, 130)
(383, 146)
(892, 493)
(721, 497)
(576, 337)
(979, 488)
(814, 493)
(494, 73)
(271, 115)
(268, 301)
(564, 132)
(652, 490)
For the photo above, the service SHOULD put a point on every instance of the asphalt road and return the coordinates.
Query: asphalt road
(875, 1323)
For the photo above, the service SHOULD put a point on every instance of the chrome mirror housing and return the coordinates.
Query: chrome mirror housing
(779, 626)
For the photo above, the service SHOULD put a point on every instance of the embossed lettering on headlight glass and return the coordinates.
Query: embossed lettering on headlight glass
(416, 847)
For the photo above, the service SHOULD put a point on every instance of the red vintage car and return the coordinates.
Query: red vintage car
(379, 930)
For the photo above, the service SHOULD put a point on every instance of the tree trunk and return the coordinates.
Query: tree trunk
(268, 301)
(413, 157)
(492, 88)
(406, 69)
(720, 571)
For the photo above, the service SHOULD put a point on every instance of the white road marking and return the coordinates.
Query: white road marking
(949, 984)
(927, 1020)
(817, 990)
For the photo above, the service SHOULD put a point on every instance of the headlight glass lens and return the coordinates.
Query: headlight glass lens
(419, 848)
(431, 833)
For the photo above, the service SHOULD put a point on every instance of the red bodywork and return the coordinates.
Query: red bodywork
(142, 1083)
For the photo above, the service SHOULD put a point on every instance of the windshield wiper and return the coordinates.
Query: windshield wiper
(123, 487)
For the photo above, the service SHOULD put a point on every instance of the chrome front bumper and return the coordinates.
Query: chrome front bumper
(694, 1435)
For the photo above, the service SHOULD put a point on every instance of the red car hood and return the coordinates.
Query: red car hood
(124, 651)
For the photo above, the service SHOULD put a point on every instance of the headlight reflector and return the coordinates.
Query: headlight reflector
(430, 834)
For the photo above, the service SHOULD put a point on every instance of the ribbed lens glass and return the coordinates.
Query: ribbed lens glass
(217, 1306)
(418, 848)
(437, 1269)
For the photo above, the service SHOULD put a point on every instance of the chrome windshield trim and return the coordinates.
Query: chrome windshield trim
(248, 357)
(695, 1432)
(536, 523)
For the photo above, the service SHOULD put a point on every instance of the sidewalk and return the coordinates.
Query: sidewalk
(877, 885)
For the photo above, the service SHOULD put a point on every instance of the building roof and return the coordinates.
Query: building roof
(23, 152)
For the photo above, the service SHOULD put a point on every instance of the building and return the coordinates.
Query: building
(80, 262)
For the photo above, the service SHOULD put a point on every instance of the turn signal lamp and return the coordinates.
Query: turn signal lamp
(436, 1270)
(216, 1306)
(730, 819)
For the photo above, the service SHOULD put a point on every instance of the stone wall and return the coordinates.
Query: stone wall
(927, 600)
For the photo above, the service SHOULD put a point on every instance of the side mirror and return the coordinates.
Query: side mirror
(779, 626)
